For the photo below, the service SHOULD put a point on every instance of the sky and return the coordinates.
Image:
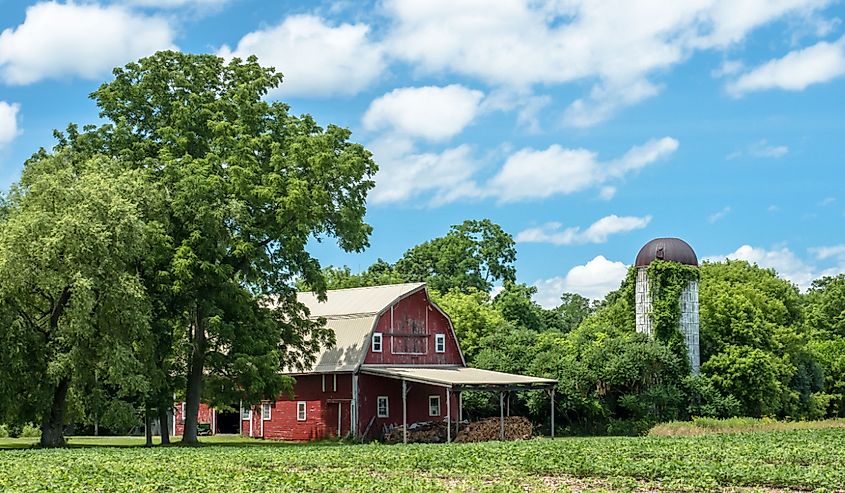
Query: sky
(584, 128)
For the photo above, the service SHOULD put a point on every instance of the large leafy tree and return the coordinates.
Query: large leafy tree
(472, 255)
(247, 186)
(72, 304)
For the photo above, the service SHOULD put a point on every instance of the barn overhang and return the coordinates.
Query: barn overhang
(459, 378)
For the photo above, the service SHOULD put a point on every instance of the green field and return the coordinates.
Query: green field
(776, 461)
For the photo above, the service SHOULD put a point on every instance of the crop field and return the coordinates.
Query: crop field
(768, 461)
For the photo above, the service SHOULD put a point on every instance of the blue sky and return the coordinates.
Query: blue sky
(584, 128)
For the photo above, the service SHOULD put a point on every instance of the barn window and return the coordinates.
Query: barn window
(382, 407)
(246, 414)
(440, 343)
(434, 405)
(300, 411)
(265, 411)
(377, 342)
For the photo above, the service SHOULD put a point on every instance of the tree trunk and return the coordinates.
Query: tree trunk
(148, 426)
(194, 389)
(163, 419)
(53, 423)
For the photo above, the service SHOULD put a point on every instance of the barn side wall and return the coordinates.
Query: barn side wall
(204, 415)
(373, 386)
(409, 329)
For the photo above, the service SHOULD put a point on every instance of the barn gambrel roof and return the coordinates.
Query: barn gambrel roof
(351, 314)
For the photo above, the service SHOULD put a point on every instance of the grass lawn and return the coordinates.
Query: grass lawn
(767, 461)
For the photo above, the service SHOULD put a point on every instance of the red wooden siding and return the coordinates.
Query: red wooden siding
(204, 415)
(321, 410)
(372, 386)
(417, 317)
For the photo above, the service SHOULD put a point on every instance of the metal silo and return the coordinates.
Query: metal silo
(673, 250)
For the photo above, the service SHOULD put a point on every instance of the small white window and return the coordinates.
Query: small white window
(382, 407)
(183, 410)
(246, 414)
(434, 405)
(377, 342)
(440, 343)
(300, 411)
(265, 411)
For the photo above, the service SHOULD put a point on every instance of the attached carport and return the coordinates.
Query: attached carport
(460, 379)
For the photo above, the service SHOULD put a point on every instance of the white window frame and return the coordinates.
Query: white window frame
(301, 411)
(266, 416)
(183, 411)
(246, 414)
(379, 400)
(378, 338)
(439, 343)
(435, 398)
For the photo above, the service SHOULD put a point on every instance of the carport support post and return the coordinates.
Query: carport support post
(404, 411)
(460, 411)
(552, 392)
(448, 415)
(502, 415)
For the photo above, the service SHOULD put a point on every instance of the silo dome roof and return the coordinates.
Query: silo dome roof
(671, 249)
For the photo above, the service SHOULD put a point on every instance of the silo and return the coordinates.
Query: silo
(673, 250)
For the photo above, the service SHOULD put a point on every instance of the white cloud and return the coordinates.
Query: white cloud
(430, 112)
(316, 59)
(176, 4)
(787, 264)
(616, 46)
(607, 193)
(8, 123)
(84, 40)
(760, 149)
(827, 201)
(795, 71)
(592, 280)
(566, 171)
(598, 232)
(826, 252)
(718, 216)
(405, 174)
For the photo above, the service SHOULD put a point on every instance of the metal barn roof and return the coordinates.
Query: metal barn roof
(458, 376)
(357, 301)
(351, 314)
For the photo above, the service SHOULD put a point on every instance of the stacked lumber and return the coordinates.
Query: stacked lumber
(485, 430)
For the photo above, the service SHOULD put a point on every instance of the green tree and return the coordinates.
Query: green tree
(573, 310)
(247, 186)
(71, 300)
(472, 255)
(517, 306)
(378, 274)
(825, 307)
(473, 317)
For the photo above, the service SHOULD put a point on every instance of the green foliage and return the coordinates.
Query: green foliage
(825, 307)
(473, 317)
(120, 417)
(567, 316)
(667, 280)
(516, 305)
(71, 300)
(799, 460)
(756, 378)
(472, 255)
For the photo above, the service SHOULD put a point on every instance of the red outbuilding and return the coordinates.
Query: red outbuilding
(396, 360)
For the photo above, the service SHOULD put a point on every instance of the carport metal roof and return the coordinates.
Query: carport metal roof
(461, 378)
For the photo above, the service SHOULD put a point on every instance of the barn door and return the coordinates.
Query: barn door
(338, 422)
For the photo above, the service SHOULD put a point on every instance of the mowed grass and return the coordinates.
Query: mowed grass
(782, 460)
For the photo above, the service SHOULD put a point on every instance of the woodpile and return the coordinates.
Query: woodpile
(421, 432)
(486, 430)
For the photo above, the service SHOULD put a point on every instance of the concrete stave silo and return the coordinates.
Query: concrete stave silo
(671, 250)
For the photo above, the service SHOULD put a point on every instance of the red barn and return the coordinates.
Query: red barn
(388, 338)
